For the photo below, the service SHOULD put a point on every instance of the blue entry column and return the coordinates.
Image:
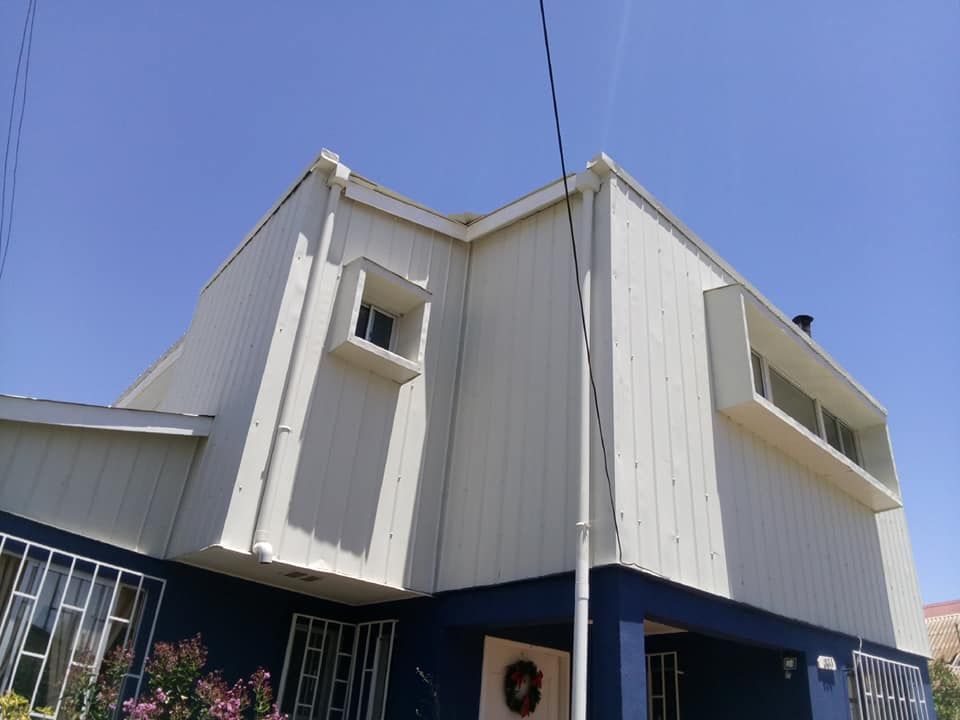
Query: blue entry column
(617, 687)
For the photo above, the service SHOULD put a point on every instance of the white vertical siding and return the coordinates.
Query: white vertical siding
(509, 510)
(118, 487)
(221, 365)
(667, 481)
(703, 501)
(364, 498)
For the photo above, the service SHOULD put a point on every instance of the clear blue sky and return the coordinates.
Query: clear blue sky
(815, 145)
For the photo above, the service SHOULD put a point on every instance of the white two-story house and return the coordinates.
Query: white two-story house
(371, 460)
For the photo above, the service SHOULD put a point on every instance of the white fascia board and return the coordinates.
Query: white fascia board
(408, 211)
(99, 417)
(517, 210)
(605, 161)
(151, 373)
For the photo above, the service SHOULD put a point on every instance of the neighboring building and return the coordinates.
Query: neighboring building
(359, 466)
(943, 627)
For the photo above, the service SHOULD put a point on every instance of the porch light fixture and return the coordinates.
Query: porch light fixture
(789, 665)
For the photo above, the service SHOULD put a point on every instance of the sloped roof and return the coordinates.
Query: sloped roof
(947, 607)
(943, 627)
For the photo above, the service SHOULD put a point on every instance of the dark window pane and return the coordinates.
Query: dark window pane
(58, 658)
(381, 330)
(12, 636)
(849, 443)
(832, 431)
(32, 571)
(126, 601)
(793, 401)
(363, 317)
(26, 677)
(757, 373)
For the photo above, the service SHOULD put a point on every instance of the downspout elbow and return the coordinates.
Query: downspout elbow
(263, 552)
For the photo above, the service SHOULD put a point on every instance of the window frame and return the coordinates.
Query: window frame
(67, 565)
(369, 329)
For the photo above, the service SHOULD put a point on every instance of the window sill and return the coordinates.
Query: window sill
(771, 424)
(363, 353)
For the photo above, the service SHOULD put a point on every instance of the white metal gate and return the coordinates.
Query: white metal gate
(886, 690)
(663, 686)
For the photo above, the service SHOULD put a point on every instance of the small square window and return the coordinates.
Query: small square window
(374, 325)
(379, 321)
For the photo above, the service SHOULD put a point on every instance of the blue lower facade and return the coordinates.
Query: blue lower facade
(729, 660)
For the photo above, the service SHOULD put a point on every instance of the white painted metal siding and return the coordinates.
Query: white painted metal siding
(510, 505)
(221, 365)
(119, 487)
(703, 501)
(364, 496)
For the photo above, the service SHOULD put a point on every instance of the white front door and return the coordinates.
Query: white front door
(555, 690)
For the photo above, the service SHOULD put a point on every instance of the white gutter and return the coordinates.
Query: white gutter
(308, 275)
(587, 184)
(100, 417)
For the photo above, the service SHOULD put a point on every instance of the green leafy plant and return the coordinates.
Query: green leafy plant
(946, 690)
(17, 707)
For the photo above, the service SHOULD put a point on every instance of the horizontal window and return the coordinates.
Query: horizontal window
(60, 612)
(772, 385)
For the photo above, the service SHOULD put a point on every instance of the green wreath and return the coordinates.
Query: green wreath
(521, 686)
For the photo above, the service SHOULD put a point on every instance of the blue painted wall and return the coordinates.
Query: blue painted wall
(439, 648)
(244, 624)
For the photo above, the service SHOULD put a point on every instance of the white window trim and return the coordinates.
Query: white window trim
(364, 282)
(27, 547)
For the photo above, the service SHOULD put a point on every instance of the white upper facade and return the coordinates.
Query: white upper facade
(400, 414)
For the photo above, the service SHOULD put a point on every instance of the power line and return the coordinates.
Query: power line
(23, 60)
(576, 270)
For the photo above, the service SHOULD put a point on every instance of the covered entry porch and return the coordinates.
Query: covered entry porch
(656, 650)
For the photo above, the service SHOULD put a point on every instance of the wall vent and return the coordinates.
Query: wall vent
(302, 576)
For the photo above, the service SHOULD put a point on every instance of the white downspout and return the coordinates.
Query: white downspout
(587, 184)
(262, 539)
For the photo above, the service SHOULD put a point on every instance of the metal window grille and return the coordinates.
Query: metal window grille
(663, 686)
(335, 670)
(61, 612)
(887, 690)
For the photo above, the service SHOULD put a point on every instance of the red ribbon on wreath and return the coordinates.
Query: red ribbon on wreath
(522, 682)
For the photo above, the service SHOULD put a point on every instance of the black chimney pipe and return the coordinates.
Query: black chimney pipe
(804, 322)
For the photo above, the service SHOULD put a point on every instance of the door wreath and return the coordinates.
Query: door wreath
(521, 687)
